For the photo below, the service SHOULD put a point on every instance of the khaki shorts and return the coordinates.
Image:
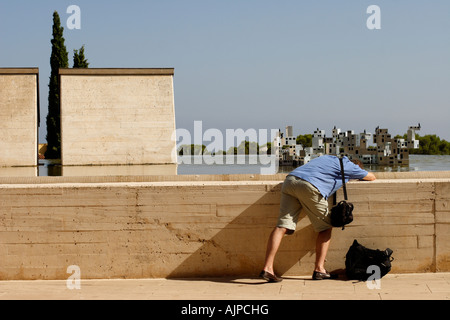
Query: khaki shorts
(298, 194)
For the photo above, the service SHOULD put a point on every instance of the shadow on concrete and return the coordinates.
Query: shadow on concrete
(238, 249)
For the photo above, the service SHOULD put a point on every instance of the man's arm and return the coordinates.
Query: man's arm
(370, 177)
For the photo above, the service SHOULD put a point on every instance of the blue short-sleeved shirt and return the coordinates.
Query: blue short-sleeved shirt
(324, 173)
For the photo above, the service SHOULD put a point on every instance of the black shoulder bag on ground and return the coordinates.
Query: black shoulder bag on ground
(341, 213)
(359, 258)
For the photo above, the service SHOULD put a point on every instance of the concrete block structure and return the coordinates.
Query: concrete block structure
(207, 225)
(117, 117)
(388, 150)
(19, 116)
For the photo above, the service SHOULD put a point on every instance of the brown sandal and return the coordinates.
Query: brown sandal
(269, 277)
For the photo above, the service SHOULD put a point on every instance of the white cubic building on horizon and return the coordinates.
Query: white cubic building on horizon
(386, 151)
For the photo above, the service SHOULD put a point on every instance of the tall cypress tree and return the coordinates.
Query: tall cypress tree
(58, 59)
(79, 60)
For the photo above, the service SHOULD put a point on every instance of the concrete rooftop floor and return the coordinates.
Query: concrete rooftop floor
(423, 286)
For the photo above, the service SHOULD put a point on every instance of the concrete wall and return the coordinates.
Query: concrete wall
(200, 226)
(119, 170)
(18, 116)
(117, 116)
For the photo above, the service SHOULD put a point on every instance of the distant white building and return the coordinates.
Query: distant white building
(387, 150)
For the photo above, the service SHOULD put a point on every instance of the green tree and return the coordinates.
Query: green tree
(269, 147)
(246, 147)
(305, 140)
(192, 149)
(59, 59)
(79, 60)
(430, 144)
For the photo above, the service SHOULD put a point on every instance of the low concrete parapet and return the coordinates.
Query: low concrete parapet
(204, 226)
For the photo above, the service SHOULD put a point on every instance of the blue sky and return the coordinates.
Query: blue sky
(260, 64)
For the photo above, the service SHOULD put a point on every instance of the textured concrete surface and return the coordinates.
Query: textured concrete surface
(19, 118)
(166, 229)
(424, 286)
(117, 116)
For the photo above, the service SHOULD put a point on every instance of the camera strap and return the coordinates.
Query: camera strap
(343, 178)
(343, 182)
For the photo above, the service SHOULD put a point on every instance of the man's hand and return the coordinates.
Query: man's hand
(370, 177)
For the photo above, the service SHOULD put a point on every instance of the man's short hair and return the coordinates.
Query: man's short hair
(358, 163)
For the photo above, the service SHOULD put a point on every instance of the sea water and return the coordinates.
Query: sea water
(239, 164)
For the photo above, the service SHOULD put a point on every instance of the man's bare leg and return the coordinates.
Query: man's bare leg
(322, 245)
(272, 247)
